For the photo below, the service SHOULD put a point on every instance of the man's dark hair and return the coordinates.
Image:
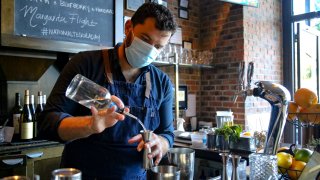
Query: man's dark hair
(164, 18)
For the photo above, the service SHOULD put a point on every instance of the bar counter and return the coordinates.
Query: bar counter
(32, 158)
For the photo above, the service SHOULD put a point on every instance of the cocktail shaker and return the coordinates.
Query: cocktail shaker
(147, 163)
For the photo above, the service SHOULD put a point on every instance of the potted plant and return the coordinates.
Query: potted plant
(314, 144)
(225, 134)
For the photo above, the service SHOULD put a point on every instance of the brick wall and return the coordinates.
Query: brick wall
(234, 33)
(263, 46)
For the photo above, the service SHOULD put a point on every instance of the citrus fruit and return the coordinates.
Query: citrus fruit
(303, 155)
(296, 169)
(284, 161)
(248, 133)
(305, 97)
(293, 108)
(311, 114)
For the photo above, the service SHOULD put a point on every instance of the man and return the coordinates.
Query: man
(111, 147)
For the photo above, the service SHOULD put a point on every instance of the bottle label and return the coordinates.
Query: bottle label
(16, 123)
(27, 130)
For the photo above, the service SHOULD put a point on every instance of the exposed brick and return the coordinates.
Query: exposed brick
(235, 34)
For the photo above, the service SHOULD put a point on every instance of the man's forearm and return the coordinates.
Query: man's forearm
(72, 128)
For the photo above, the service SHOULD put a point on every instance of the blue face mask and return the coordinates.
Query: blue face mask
(140, 54)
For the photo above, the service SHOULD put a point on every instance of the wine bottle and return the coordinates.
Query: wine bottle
(44, 100)
(26, 119)
(39, 109)
(33, 110)
(15, 117)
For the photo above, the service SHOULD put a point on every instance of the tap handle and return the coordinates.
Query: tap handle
(241, 74)
(240, 86)
(250, 73)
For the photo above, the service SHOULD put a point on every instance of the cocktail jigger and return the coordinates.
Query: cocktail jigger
(147, 163)
(225, 157)
(235, 163)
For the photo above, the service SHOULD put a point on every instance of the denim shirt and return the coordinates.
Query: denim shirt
(108, 155)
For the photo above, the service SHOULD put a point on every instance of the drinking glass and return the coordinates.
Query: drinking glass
(263, 166)
(168, 51)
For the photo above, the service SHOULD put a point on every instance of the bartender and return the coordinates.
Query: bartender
(111, 147)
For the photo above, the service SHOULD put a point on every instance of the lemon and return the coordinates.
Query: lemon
(284, 161)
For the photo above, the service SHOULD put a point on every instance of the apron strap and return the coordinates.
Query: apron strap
(148, 85)
(106, 62)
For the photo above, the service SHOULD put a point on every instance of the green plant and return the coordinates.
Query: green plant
(232, 132)
(314, 142)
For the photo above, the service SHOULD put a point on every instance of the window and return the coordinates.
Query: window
(305, 6)
(301, 32)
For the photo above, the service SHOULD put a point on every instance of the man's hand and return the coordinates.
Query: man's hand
(106, 118)
(72, 128)
(158, 144)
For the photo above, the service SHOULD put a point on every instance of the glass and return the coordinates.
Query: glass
(263, 166)
(88, 93)
(305, 6)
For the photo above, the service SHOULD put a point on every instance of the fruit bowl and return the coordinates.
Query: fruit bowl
(304, 119)
(288, 174)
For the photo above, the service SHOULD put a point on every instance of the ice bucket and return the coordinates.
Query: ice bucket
(184, 159)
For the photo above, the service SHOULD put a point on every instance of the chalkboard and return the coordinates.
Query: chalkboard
(79, 21)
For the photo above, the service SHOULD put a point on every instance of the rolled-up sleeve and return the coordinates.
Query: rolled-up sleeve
(58, 105)
(165, 128)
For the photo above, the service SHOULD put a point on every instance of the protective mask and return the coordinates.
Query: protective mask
(140, 54)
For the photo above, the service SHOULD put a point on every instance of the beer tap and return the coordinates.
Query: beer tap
(242, 89)
(278, 97)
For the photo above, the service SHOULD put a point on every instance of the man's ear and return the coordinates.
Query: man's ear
(127, 27)
(128, 31)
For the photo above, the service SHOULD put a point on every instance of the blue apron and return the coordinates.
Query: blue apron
(108, 155)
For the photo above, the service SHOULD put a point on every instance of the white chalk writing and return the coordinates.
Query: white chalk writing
(75, 18)
(72, 34)
(40, 1)
(45, 18)
(75, 6)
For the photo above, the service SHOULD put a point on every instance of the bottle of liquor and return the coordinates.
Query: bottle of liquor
(15, 117)
(39, 109)
(26, 119)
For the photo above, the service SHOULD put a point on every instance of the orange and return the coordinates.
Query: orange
(293, 108)
(305, 97)
(303, 115)
(311, 114)
(296, 169)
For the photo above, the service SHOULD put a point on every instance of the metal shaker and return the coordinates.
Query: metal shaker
(66, 174)
(235, 162)
(147, 163)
